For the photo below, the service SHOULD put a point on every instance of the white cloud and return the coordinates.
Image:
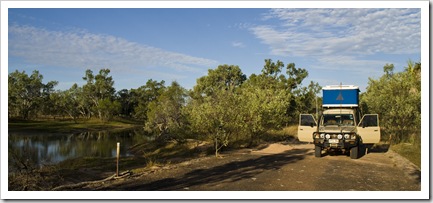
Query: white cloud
(238, 44)
(350, 63)
(87, 50)
(342, 41)
(323, 32)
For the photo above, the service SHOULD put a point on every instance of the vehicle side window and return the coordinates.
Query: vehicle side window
(307, 120)
(369, 121)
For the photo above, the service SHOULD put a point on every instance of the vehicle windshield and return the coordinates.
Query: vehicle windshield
(338, 119)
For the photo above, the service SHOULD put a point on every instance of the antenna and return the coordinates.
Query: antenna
(340, 97)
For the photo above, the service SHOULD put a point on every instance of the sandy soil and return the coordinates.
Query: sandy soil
(276, 167)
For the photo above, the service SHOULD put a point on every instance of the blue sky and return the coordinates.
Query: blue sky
(334, 45)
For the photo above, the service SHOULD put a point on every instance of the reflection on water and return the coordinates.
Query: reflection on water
(43, 148)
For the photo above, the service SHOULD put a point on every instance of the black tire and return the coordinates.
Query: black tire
(354, 152)
(318, 151)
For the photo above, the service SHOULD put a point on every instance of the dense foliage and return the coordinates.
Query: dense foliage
(27, 94)
(396, 97)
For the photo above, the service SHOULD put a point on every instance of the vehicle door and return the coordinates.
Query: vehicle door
(306, 128)
(369, 129)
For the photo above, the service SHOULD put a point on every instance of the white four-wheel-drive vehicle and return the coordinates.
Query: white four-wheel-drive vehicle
(340, 126)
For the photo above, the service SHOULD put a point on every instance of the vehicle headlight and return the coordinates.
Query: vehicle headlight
(328, 136)
(322, 135)
(316, 135)
(339, 136)
(353, 136)
(346, 136)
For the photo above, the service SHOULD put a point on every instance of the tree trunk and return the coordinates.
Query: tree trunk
(216, 147)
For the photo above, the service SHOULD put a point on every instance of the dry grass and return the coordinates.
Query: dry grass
(412, 152)
(291, 130)
(284, 134)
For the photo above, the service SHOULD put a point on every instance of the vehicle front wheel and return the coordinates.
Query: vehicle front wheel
(354, 153)
(318, 151)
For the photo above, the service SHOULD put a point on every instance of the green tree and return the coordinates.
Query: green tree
(272, 69)
(98, 88)
(52, 104)
(127, 102)
(273, 78)
(214, 109)
(166, 115)
(71, 102)
(145, 94)
(217, 117)
(295, 76)
(396, 97)
(261, 109)
(108, 109)
(26, 93)
(224, 77)
(389, 70)
(50, 100)
(80, 101)
(304, 100)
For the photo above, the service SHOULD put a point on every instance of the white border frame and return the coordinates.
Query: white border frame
(423, 194)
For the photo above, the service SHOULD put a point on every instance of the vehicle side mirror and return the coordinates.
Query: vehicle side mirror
(364, 125)
(312, 124)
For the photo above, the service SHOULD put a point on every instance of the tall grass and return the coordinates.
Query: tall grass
(287, 133)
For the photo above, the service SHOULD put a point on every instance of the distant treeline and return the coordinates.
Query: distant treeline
(224, 107)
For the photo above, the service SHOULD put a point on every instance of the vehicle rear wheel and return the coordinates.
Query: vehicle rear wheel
(354, 153)
(318, 151)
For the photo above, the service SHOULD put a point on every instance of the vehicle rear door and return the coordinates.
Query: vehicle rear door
(369, 129)
(306, 128)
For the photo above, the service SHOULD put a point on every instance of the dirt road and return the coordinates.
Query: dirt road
(278, 167)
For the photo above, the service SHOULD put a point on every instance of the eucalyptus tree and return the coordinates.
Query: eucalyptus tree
(52, 104)
(26, 93)
(71, 103)
(99, 88)
(50, 100)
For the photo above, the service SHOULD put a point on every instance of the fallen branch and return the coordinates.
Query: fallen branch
(82, 184)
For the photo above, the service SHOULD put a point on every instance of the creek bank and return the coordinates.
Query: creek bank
(65, 126)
